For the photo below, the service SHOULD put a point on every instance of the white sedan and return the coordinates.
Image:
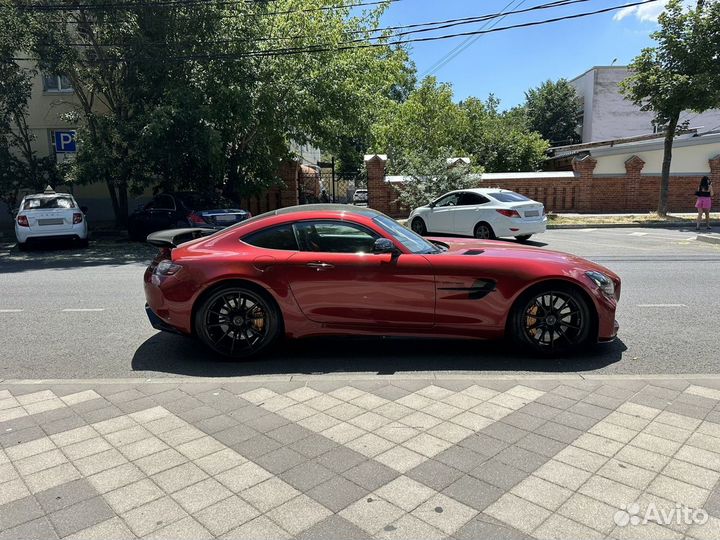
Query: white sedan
(483, 213)
(50, 215)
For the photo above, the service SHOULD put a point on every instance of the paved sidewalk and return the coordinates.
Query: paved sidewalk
(387, 457)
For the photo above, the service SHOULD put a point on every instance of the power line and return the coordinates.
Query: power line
(410, 29)
(344, 46)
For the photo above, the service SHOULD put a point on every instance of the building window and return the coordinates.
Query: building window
(56, 83)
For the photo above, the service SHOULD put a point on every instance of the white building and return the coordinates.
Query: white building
(607, 115)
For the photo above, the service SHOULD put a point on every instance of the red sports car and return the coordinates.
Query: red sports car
(345, 270)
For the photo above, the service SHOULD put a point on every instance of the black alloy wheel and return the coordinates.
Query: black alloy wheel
(237, 322)
(418, 226)
(553, 321)
(483, 231)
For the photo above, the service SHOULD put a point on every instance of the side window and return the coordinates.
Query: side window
(335, 237)
(472, 199)
(280, 237)
(164, 202)
(448, 200)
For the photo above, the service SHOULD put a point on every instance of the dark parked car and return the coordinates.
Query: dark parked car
(184, 209)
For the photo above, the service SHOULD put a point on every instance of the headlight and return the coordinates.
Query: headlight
(604, 283)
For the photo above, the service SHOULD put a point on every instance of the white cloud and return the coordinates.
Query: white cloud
(645, 12)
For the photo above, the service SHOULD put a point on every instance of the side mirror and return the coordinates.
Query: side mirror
(383, 245)
(431, 205)
(84, 209)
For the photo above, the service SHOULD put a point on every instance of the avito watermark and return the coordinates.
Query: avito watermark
(681, 515)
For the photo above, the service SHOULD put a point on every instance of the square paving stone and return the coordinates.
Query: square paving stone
(235, 435)
(201, 495)
(372, 514)
(484, 526)
(38, 528)
(216, 423)
(313, 445)
(225, 515)
(524, 421)
(289, 433)
(444, 513)
(298, 514)
(280, 460)
(152, 516)
(19, 511)
(260, 528)
(81, 516)
(266, 423)
(499, 474)
(484, 444)
(473, 492)
(540, 444)
(434, 474)
(333, 528)
(370, 475)
(243, 476)
(521, 458)
(461, 458)
(65, 495)
(269, 494)
(518, 513)
(405, 493)
(255, 447)
(307, 475)
(337, 493)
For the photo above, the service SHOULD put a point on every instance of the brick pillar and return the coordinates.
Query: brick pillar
(715, 172)
(289, 170)
(633, 169)
(379, 196)
(584, 168)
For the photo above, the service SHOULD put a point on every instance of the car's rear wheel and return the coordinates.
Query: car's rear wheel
(553, 320)
(238, 322)
(523, 237)
(22, 246)
(483, 231)
(418, 226)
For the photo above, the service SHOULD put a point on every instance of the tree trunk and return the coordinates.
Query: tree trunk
(114, 200)
(121, 217)
(667, 161)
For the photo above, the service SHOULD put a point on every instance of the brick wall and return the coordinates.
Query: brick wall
(585, 193)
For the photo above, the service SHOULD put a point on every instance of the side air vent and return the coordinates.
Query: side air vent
(474, 252)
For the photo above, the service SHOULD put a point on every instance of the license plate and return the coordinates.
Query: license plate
(50, 221)
(532, 213)
(225, 218)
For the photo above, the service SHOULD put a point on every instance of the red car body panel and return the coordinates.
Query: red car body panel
(466, 291)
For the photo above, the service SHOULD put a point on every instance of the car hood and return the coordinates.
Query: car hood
(470, 248)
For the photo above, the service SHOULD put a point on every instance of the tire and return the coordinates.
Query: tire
(238, 322)
(483, 231)
(23, 246)
(523, 237)
(418, 226)
(84, 243)
(552, 320)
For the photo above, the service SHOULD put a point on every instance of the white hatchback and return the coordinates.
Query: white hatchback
(483, 213)
(50, 215)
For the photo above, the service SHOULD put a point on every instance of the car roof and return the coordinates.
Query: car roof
(328, 207)
(46, 195)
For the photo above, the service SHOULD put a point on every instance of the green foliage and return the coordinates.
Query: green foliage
(682, 72)
(429, 176)
(552, 109)
(194, 96)
(430, 124)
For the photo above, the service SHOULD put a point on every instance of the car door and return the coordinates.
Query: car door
(162, 213)
(442, 215)
(336, 279)
(469, 212)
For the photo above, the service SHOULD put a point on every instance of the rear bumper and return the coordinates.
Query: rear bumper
(23, 234)
(158, 324)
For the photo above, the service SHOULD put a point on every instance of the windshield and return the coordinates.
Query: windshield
(415, 243)
(35, 203)
(508, 196)
(205, 201)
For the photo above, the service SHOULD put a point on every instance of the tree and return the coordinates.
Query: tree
(20, 167)
(552, 110)
(210, 95)
(428, 176)
(682, 72)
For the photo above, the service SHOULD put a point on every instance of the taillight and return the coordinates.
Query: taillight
(167, 268)
(196, 218)
(508, 213)
(23, 221)
(77, 218)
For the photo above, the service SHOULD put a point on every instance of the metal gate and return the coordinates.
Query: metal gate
(340, 186)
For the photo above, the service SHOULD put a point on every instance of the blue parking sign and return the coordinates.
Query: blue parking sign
(65, 141)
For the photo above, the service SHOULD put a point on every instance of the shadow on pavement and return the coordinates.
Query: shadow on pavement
(68, 255)
(170, 353)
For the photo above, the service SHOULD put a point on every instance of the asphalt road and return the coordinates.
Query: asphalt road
(79, 314)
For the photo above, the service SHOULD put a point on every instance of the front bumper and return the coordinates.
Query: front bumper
(158, 324)
(613, 336)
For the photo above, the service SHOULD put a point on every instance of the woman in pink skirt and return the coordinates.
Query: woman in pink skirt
(704, 196)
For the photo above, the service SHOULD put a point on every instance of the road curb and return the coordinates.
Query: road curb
(430, 376)
(669, 225)
(708, 239)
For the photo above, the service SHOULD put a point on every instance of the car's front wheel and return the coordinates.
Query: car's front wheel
(418, 226)
(238, 322)
(555, 319)
(483, 231)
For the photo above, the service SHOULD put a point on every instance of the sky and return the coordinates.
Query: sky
(507, 63)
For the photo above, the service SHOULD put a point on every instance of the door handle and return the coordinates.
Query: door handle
(320, 266)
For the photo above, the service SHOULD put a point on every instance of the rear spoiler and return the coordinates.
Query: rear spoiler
(174, 237)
